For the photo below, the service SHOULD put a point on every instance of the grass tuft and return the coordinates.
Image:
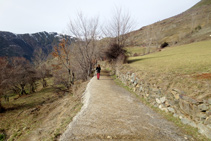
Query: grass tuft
(2, 137)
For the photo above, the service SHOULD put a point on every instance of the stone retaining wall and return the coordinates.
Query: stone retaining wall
(192, 112)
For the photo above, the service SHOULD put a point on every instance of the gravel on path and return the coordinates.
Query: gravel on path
(112, 112)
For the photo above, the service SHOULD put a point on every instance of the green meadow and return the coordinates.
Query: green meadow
(186, 59)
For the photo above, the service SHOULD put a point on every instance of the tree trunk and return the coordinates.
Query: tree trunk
(1, 107)
(44, 83)
(23, 89)
(32, 87)
(70, 78)
(73, 77)
(90, 69)
(6, 98)
(16, 89)
(148, 52)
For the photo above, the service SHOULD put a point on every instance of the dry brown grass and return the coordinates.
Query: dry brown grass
(204, 76)
(179, 29)
(40, 116)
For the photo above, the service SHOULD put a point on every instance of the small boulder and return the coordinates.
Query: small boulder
(208, 113)
(209, 101)
(201, 116)
(203, 107)
(158, 100)
(171, 110)
(208, 120)
(163, 99)
(204, 130)
(163, 108)
(109, 137)
(188, 122)
(175, 115)
(167, 104)
(185, 121)
(175, 94)
(141, 89)
(133, 77)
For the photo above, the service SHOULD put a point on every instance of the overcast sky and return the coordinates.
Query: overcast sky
(30, 16)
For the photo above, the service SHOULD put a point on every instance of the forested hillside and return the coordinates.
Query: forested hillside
(27, 45)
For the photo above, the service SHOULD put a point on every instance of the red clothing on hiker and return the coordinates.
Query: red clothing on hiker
(98, 75)
(98, 69)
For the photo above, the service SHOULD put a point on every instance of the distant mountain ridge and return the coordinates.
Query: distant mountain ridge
(190, 26)
(24, 45)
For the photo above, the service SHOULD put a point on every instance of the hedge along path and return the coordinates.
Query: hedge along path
(111, 112)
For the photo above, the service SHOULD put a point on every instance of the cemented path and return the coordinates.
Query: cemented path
(111, 112)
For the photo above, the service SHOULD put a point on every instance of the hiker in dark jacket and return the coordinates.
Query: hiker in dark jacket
(98, 69)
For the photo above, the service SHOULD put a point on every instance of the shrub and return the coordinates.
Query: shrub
(163, 45)
(2, 136)
(135, 54)
(115, 52)
(198, 28)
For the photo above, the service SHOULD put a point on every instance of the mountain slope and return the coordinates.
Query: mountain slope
(24, 45)
(190, 26)
(202, 3)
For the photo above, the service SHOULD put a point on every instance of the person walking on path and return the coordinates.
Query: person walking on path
(98, 69)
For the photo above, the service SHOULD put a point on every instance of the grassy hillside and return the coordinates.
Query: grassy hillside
(186, 67)
(202, 3)
(139, 51)
(43, 115)
(186, 59)
(190, 26)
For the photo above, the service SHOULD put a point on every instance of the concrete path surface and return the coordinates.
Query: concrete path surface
(112, 113)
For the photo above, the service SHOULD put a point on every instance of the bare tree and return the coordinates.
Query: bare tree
(39, 57)
(8, 81)
(157, 35)
(42, 69)
(63, 53)
(15, 74)
(3, 71)
(193, 20)
(23, 74)
(149, 37)
(208, 18)
(119, 26)
(43, 72)
(117, 30)
(86, 33)
(61, 77)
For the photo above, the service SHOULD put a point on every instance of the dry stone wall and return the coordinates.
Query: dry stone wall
(190, 111)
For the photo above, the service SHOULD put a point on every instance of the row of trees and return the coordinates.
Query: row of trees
(74, 58)
(79, 56)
